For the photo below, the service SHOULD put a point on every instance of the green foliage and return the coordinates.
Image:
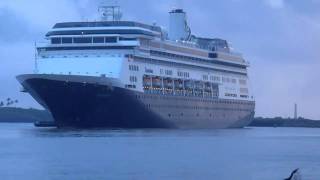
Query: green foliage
(9, 102)
(284, 122)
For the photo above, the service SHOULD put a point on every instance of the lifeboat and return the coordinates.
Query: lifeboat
(178, 84)
(168, 83)
(147, 82)
(156, 82)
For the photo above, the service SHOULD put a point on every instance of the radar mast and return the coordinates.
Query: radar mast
(110, 12)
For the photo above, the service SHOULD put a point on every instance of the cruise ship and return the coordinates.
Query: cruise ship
(124, 74)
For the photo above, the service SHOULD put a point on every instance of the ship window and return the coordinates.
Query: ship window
(243, 82)
(133, 68)
(205, 77)
(133, 79)
(216, 78)
(244, 96)
(82, 40)
(213, 55)
(98, 39)
(148, 70)
(225, 79)
(169, 72)
(186, 74)
(111, 39)
(132, 87)
(66, 40)
(127, 39)
(230, 95)
(55, 40)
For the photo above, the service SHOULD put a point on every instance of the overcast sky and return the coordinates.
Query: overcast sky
(280, 38)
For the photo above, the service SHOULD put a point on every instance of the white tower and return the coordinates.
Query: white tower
(178, 26)
(295, 111)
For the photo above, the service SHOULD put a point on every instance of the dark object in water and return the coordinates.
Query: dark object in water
(45, 124)
(295, 175)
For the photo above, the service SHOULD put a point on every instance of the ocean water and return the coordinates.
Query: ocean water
(31, 153)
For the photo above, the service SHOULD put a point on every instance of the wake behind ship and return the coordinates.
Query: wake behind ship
(124, 74)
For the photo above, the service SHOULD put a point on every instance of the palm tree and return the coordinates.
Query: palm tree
(16, 101)
(1, 104)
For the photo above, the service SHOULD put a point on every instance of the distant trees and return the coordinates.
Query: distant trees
(8, 102)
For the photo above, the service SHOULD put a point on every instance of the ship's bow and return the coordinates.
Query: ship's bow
(85, 102)
(71, 99)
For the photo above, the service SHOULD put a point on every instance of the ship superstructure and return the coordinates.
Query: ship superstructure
(124, 74)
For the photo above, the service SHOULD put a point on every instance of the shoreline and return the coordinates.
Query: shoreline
(284, 122)
(22, 115)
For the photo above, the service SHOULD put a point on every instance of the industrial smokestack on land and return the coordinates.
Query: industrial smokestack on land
(295, 111)
(178, 26)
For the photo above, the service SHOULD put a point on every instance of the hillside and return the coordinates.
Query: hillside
(10, 114)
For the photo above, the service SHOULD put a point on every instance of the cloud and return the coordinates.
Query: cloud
(16, 58)
(16, 28)
(277, 4)
(277, 86)
(41, 13)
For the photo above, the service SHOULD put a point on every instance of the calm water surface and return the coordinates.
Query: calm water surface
(253, 153)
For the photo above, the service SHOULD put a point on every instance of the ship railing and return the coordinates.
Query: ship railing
(184, 43)
(230, 53)
(118, 43)
(42, 44)
(207, 48)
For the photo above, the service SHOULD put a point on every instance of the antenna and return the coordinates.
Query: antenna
(110, 13)
(35, 58)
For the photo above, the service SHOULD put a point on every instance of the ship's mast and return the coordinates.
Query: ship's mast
(110, 13)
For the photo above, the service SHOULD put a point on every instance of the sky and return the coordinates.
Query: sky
(280, 39)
